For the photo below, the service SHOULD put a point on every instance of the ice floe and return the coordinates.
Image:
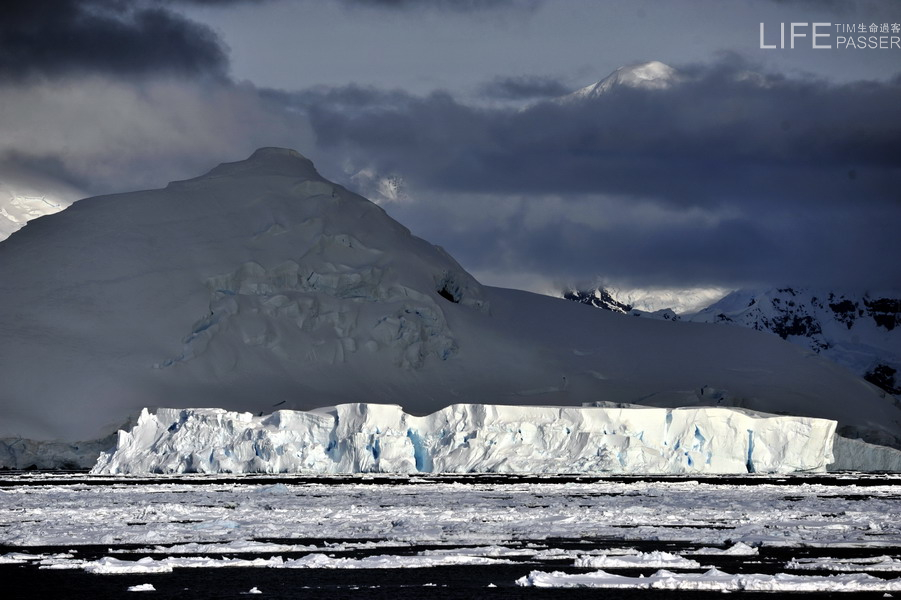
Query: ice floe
(871, 563)
(713, 580)
(641, 560)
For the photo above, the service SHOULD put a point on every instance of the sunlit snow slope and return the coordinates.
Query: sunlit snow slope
(261, 285)
(466, 438)
(653, 75)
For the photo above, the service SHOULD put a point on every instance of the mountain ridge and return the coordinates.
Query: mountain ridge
(855, 329)
(652, 75)
(263, 285)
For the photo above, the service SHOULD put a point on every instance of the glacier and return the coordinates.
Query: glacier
(472, 438)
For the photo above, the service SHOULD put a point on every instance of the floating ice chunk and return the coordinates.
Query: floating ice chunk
(114, 566)
(873, 563)
(642, 560)
(471, 438)
(18, 558)
(142, 587)
(322, 561)
(486, 551)
(243, 546)
(739, 549)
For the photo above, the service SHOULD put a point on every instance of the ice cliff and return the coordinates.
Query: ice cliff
(472, 438)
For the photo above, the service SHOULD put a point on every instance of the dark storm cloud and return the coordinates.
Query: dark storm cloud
(837, 246)
(523, 88)
(45, 167)
(101, 134)
(215, 3)
(724, 135)
(53, 37)
(837, 6)
(745, 178)
(453, 5)
(348, 100)
(661, 255)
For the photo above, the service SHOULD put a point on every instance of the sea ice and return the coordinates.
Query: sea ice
(713, 580)
(873, 563)
(738, 549)
(642, 560)
(114, 566)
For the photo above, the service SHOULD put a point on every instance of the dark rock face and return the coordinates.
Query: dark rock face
(599, 298)
(845, 312)
(884, 311)
(885, 377)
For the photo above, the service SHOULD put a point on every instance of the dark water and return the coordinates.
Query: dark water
(389, 584)
(28, 581)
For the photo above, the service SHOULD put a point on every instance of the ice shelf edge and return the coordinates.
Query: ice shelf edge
(472, 438)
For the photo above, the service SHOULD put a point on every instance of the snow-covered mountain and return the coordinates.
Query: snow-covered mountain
(20, 204)
(861, 331)
(662, 303)
(653, 75)
(262, 286)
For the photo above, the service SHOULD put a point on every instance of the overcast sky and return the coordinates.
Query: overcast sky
(754, 167)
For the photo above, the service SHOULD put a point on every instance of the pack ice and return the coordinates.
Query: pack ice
(263, 286)
(471, 438)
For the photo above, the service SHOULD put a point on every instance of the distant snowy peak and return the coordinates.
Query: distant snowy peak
(378, 187)
(653, 75)
(605, 299)
(667, 303)
(792, 311)
(21, 203)
(599, 298)
(18, 210)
